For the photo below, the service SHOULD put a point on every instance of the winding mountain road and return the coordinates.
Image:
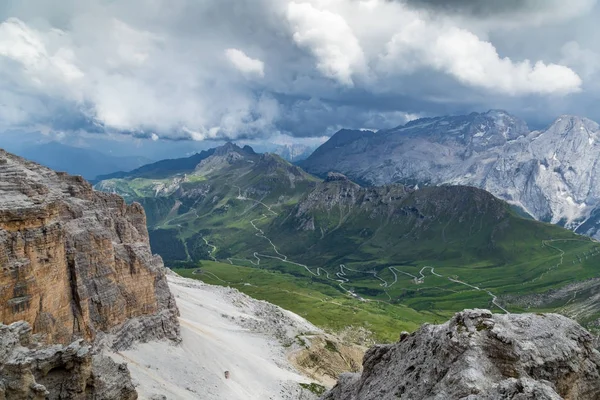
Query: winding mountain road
(342, 278)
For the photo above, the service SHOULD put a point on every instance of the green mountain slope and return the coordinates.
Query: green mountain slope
(396, 256)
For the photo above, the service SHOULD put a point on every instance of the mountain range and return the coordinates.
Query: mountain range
(93, 314)
(551, 174)
(409, 254)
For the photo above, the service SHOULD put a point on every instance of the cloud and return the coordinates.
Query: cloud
(114, 76)
(255, 69)
(582, 59)
(250, 67)
(41, 65)
(531, 11)
(458, 52)
(329, 38)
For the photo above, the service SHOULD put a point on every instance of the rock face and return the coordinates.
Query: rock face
(33, 372)
(294, 152)
(477, 355)
(76, 263)
(551, 174)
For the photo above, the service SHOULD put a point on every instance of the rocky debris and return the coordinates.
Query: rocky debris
(223, 330)
(31, 370)
(77, 263)
(324, 357)
(551, 174)
(477, 355)
(266, 318)
(335, 176)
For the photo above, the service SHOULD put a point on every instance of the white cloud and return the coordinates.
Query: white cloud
(163, 67)
(250, 67)
(126, 79)
(154, 137)
(329, 38)
(461, 54)
(31, 49)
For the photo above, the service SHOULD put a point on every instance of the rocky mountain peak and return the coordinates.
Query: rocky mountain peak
(77, 275)
(227, 148)
(573, 125)
(248, 149)
(480, 355)
(551, 174)
(477, 131)
(224, 156)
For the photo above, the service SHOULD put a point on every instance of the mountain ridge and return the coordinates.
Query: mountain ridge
(549, 173)
(421, 249)
(160, 168)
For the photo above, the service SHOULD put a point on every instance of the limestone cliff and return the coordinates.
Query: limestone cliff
(477, 355)
(76, 263)
(34, 372)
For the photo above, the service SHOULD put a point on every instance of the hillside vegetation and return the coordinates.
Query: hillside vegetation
(395, 256)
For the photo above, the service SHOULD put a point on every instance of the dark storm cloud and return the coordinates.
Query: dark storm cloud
(503, 8)
(241, 69)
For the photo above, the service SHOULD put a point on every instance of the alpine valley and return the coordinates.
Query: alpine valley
(371, 261)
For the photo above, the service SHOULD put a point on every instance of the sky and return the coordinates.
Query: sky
(286, 71)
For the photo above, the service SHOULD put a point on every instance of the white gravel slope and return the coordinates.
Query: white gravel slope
(222, 330)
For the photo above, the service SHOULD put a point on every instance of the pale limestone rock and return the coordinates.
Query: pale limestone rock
(39, 372)
(477, 355)
(552, 173)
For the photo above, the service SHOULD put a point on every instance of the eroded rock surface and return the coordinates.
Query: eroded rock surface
(75, 263)
(32, 371)
(477, 355)
(76, 275)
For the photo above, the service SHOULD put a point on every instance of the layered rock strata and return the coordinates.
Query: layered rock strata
(76, 274)
(74, 262)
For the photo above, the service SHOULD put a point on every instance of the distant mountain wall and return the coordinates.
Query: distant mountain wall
(553, 174)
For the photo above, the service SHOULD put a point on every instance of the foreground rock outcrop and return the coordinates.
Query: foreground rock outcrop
(75, 262)
(477, 355)
(32, 371)
(77, 274)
